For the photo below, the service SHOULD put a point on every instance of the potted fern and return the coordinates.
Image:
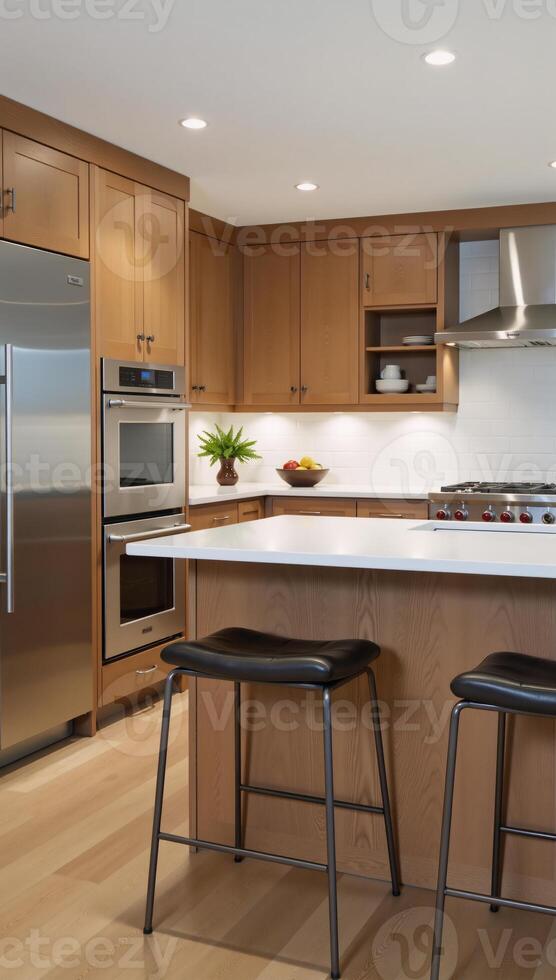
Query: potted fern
(226, 448)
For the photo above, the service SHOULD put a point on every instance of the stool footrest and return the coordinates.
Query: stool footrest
(509, 903)
(524, 832)
(308, 798)
(244, 852)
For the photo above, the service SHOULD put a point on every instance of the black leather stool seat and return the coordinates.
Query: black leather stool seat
(511, 680)
(246, 655)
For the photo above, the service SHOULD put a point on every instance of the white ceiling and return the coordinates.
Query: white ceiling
(333, 91)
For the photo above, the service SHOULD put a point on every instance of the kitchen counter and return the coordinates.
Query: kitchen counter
(326, 578)
(211, 493)
(373, 543)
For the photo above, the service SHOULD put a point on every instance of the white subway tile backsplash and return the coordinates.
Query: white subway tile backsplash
(505, 428)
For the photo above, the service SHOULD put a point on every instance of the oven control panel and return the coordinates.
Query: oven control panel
(143, 379)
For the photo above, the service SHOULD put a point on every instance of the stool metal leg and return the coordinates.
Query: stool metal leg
(237, 741)
(159, 796)
(330, 835)
(390, 839)
(498, 808)
(445, 840)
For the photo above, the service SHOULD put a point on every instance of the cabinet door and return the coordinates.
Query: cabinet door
(311, 507)
(46, 197)
(399, 270)
(205, 516)
(271, 325)
(211, 320)
(250, 510)
(160, 255)
(406, 509)
(118, 287)
(329, 323)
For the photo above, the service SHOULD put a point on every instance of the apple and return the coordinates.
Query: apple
(292, 464)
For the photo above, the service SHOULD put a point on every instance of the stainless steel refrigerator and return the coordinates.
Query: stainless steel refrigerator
(45, 500)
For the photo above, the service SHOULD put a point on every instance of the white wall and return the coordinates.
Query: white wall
(505, 427)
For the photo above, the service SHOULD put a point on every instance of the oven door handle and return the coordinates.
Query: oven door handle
(148, 403)
(138, 535)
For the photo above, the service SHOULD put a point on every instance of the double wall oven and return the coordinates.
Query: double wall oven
(144, 477)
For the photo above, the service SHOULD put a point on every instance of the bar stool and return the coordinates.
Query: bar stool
(245, 655)
(508, 683)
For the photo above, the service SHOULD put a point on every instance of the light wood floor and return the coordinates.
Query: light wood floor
(74, 832)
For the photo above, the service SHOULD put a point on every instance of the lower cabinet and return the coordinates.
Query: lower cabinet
(327, 507)
(403, 509)
(204, 516)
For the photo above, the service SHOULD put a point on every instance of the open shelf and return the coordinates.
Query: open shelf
(384, 332)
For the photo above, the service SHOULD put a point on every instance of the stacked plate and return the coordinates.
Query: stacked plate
(392, 386)
(420, 340)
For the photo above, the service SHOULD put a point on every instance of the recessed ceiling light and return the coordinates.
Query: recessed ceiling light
(440, 57)
(552, 164)
(193, 122)
(306, 185)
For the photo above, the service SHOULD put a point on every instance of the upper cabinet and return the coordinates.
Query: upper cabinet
(272, 325)
(213, 268)
(139, 274)
(329, 322)
(399, 270)
(45, 197)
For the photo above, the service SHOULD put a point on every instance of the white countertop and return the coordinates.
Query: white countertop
(211, 493)
(380, 543)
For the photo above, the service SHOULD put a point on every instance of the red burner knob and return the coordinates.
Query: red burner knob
(507, 517)
(526, 517)
(442, 515)
(488, 516)
(460, 515)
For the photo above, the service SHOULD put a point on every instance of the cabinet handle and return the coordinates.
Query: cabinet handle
(367, 281)
(12, 203)
(398, 516)
(148, 670)
(310, 513)
(150, 338)
(304, 388)
(217, 520)
(194, 387)
(140, 337)
(202, 387)
(293, 389)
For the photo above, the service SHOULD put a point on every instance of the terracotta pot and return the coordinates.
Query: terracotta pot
(227, 476)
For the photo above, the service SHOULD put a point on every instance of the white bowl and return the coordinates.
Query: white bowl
(392, 387)
(424, 388)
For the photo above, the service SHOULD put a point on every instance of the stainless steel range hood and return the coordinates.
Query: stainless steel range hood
(526, 316)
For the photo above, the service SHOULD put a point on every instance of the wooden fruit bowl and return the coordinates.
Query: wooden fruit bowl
(302, 478)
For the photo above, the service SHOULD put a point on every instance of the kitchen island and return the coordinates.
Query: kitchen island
(437, 599)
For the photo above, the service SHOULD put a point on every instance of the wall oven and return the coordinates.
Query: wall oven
(144, 598)
(144, 438)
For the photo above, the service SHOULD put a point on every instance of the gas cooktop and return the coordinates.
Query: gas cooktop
(528, 503)
(525, 488)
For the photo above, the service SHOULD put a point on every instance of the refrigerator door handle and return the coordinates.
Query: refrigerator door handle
(7, 577)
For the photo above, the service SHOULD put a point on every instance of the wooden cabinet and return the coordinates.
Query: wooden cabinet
(212, 267)
(399, 270)
(204, 516)
(407, 509)
(329, 323)
(250, 510)
(314, 507)
(139, 271)
(45, 197)
(130, 675)
(271, 325)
